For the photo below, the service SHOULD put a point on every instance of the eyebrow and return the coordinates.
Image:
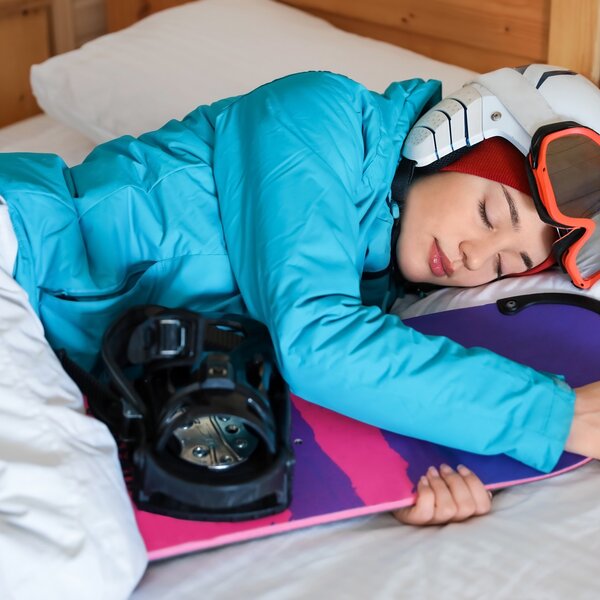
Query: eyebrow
(516, 224)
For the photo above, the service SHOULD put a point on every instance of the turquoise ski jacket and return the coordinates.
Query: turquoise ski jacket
(276, 204)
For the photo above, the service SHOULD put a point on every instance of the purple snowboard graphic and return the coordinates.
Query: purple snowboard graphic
(345, 468)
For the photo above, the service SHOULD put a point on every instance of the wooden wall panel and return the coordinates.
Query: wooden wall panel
(122, 13)
(30, 32)
(24, 40)
(75, 22)
(89, 20)
(63, 26)
(12, 7)
(575, 36)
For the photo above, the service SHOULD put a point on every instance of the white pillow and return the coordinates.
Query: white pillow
(163, 67)
(451, 298)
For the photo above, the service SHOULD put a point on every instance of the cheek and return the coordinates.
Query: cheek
(406, 256)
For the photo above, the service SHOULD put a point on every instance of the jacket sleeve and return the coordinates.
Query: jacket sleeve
(289, 159)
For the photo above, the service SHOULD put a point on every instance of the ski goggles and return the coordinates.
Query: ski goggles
(564, 164)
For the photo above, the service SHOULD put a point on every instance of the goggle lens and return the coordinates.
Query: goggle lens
(573, 163)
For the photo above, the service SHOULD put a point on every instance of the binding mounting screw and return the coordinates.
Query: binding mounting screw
(200, 451)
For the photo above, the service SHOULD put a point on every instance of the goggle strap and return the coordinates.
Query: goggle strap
(562, 244)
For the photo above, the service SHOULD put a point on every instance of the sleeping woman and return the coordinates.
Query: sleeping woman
(278, 204)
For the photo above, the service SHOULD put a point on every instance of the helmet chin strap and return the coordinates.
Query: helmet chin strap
(403, 177)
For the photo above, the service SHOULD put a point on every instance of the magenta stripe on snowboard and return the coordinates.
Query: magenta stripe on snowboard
(377, 472)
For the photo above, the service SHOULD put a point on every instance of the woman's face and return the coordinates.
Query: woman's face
(463, 230)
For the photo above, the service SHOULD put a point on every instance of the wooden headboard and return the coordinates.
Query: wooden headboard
(478, 34)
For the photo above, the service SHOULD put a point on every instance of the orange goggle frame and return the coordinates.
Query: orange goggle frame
(564, 168)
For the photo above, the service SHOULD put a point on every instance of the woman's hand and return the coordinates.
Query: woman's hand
(446, 496)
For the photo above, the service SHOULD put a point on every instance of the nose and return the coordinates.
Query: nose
(476, 254)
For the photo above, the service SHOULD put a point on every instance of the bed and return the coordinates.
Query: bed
(542, 540)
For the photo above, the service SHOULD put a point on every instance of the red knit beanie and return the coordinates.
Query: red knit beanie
(495, 159)
(498, 160)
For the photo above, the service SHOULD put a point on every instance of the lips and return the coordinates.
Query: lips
(439, 263)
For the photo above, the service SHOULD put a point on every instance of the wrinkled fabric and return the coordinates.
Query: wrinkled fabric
(275, 203)
(67, 528)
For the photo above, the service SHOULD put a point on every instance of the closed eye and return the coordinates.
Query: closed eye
(483, 214)
(499, 266)
(486, 221)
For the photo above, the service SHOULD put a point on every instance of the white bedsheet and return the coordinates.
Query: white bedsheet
(542, 540)
(43, 134)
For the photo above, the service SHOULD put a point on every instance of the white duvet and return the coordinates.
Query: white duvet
(66, 525)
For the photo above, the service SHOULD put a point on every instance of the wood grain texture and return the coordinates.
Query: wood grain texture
(89, 20)
(575, 36)
(24, 40)
(63, 26)
(122, 13)
(9, 8)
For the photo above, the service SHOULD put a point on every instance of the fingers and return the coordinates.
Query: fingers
(482, 498)
(446, 496)
(423, 511)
